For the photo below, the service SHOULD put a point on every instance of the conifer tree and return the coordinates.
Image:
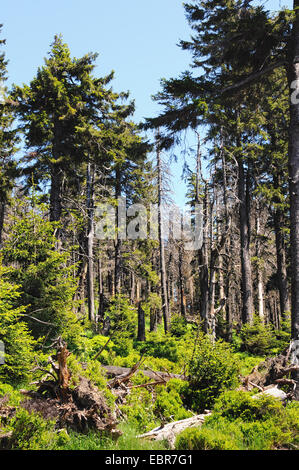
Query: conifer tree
(8, 141)
(60, 103)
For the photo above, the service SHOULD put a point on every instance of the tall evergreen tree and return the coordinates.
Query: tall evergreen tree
(60, 101)
(8, 142)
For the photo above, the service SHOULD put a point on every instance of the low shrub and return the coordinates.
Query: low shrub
(179, 326)
(213, 369)
(139, 410)
(248, 424)
(204, 439)
(123, 319)
(169, 401)
(14, 397)
(164, 348)
(234, 405)
(31, 432)
(260, 339)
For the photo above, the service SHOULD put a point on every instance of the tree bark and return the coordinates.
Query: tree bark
(141, 323)
(90, 241)
(55, 195)
(101, 289)
(165, 308)
(117, 253)
(259, 267)
(2, 216)
(181, 282)
(246, 282)
(282, 279)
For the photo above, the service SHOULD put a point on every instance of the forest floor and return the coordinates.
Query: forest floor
(75, 405)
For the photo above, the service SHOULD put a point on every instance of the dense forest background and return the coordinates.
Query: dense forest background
(70, 153)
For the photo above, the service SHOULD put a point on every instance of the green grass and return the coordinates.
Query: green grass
(97, 441)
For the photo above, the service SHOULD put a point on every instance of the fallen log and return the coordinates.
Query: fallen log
(169, 431)
(116, 371)
(272, 391)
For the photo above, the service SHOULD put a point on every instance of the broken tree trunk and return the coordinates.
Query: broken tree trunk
(169, 431)
(117, 372)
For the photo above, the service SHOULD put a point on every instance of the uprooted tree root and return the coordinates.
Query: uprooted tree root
(273, 372)
(81, 409)
(84, 407)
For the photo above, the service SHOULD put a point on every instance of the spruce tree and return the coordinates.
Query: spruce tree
(8, 142)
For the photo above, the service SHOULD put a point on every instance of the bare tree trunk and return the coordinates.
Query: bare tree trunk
(259, 267)
(141, 323)
(133, 287)
(181, 282)
(90, 241)
(118, 243)
(110, 283)
(203, 255)
(164, 296)
(101, 289)
(2, 216)
(282, 279)
(246, 284)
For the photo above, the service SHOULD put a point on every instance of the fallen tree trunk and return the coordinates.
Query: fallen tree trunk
(169, 431)
(272, 391)
(116, 372)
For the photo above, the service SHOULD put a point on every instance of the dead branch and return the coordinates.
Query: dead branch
(115, 371)
(101, 350)
(125, 377)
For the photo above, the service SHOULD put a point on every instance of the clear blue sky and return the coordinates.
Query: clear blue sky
(136, 38)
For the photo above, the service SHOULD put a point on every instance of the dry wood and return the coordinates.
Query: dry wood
(274, 392)
(125, 376)
(169, 431)
(148, 384)
(270, 373)
(114, 371)
(81, 408)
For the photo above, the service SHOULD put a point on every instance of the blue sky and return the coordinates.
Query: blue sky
(136, 38)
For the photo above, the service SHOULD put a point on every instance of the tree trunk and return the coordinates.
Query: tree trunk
(293, 77)
(90, 240)
(164, 296)
(2, 215)
(181, 283)
(203, 259)
(101, 290)
(141, 323)
(55, 195)
(118, 243)
(259, 267)
(246, 282)
(282, 280)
